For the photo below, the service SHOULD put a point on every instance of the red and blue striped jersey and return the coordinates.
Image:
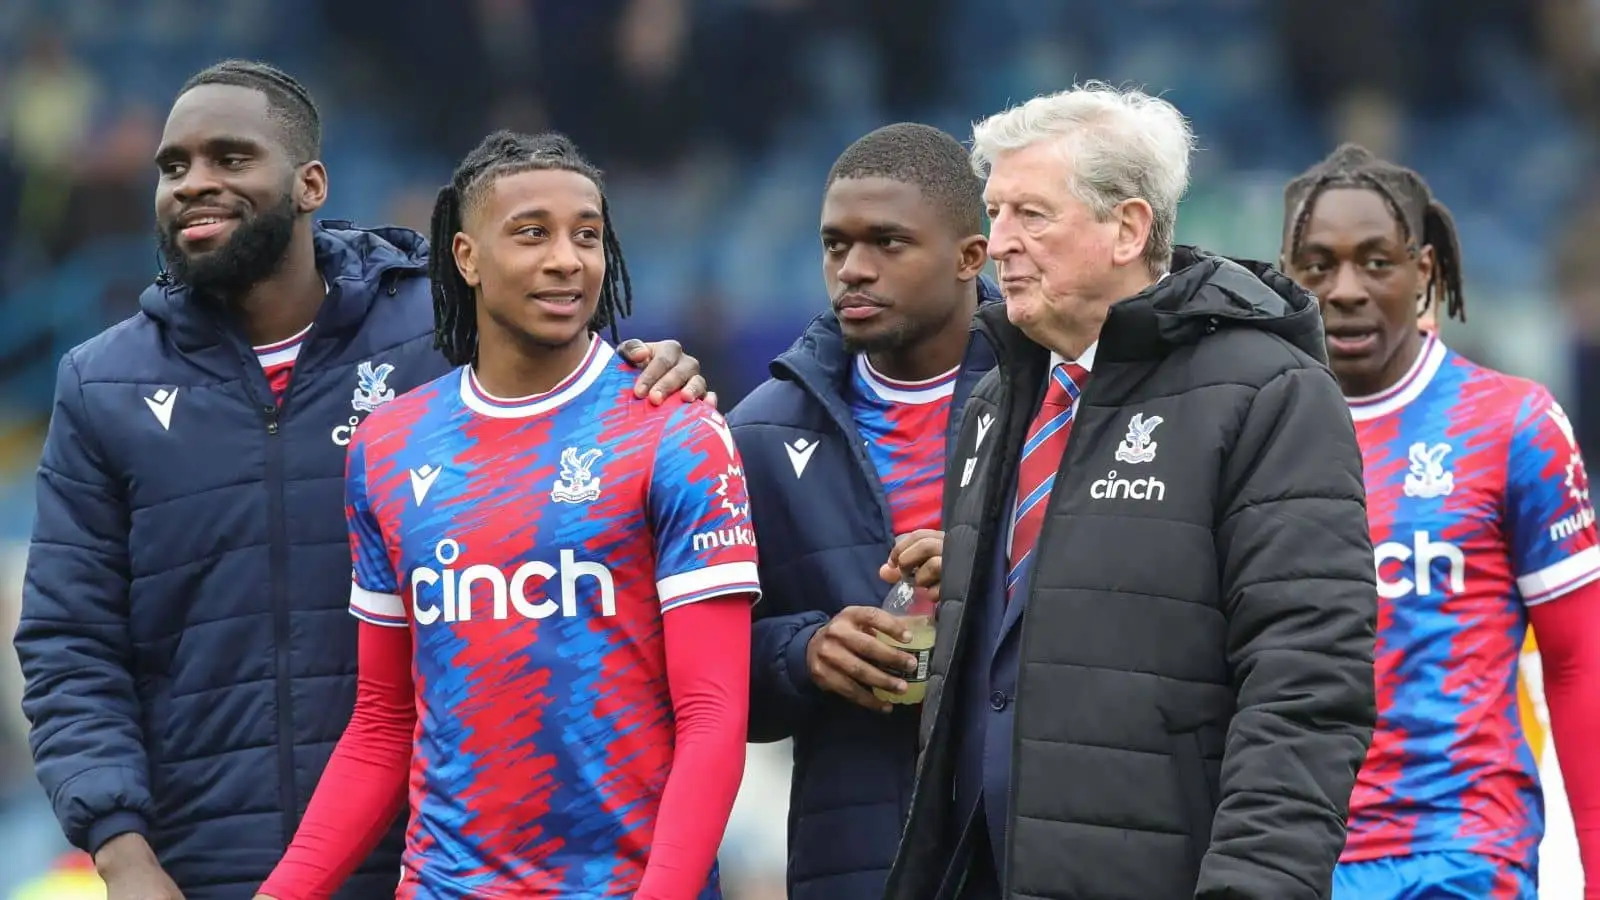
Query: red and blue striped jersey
(904, 424)
(1479, 507)
(532, 546)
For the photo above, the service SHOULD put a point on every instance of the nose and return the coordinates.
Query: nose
(198, 180)
(856, 268)
(1004, 237)
(562, 258)
(1346, 288)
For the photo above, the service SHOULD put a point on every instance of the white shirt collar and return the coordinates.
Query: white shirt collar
(1086, 360)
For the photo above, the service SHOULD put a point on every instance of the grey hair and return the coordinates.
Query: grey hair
(1120, 145)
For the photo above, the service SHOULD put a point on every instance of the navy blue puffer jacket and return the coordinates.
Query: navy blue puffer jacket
(188, 655)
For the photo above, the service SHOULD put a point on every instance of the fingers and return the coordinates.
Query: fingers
(867, 621)
(658, 358)
(696, 388)
(914, 550)
(929, 573)
(841, 672)
(711, 398)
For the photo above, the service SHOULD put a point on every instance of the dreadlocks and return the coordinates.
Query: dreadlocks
(1424, 221)
(455, 305)
(289, 101)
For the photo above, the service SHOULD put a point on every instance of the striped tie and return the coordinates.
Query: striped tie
(1041, 457)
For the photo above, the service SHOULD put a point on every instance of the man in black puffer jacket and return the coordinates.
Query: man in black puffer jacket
(1153, 674)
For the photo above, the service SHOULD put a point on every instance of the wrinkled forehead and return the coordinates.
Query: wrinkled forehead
(1039, 172)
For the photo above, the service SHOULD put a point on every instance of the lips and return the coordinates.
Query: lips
(197, 225)
(1352, 340)
(858, 306)
(559, 301)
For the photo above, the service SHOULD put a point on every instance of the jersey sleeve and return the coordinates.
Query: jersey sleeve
(700, 512)
(374, 593)
(1550, 518)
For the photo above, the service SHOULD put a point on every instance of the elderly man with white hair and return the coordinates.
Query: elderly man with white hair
(1153, 674)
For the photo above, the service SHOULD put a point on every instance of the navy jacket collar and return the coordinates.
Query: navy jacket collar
(357, 263)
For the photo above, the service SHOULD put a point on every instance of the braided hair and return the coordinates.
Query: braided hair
(290, 103)
(455, 304)
(1424, 221)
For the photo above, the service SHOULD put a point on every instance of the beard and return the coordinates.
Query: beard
(897, 338)
(253, 254)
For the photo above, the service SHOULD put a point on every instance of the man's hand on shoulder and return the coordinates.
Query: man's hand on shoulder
(846, 658)
(667, 369)
(129, 868)
(918, 556)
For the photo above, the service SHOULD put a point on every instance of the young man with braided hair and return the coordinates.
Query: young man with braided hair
(187, 655)
(555, 621)
(1482, 523)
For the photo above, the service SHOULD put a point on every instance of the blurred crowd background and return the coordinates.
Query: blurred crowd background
(717, 120)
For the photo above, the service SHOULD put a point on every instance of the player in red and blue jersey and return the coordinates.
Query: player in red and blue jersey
(903, 424)
(1482, 523)
(553, 578)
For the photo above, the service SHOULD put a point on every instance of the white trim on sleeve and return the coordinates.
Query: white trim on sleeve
(378, 609)
(712, 581)
(1562, 578)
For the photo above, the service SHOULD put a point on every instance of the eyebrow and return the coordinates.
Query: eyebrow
(589, 214)
(874, 229)
(1019, 200)
(214, 146)
(1367, 245)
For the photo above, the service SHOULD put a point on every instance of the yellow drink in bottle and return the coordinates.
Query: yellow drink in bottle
(921, 646)
(914, 609)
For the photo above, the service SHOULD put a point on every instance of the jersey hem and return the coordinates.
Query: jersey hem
(1359, 856)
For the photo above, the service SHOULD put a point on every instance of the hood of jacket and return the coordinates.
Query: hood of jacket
(1204, 294)
(359, 264)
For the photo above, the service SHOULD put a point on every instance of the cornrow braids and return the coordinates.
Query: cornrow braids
(1423, 220)
(289, 101)
(455, 304)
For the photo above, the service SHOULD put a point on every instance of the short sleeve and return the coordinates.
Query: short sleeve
(374, 593)
(700, 511)
(1549, 516)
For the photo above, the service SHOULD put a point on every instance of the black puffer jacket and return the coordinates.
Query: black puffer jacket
(1195, 690)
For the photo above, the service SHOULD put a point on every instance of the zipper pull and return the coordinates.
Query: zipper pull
(271, 414)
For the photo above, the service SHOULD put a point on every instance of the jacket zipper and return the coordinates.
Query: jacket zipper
(273, 414)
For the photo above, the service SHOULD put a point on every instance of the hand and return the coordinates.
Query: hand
(846, 658)
(129, 868)
(666, 369)
(919, 556)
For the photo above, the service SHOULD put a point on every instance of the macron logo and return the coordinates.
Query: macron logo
(160, 403)
(421, 480)
(800, 454)
(985, 422)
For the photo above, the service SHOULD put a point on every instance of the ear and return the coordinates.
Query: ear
(1134, 219)
(1426, 263)
(972, 254)
(466, 254)
(310, 187)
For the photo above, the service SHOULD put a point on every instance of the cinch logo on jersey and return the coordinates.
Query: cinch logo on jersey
(1417, 561)
(447, 593)
(1113, 488)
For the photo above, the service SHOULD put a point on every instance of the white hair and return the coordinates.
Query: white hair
(1120, 145)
